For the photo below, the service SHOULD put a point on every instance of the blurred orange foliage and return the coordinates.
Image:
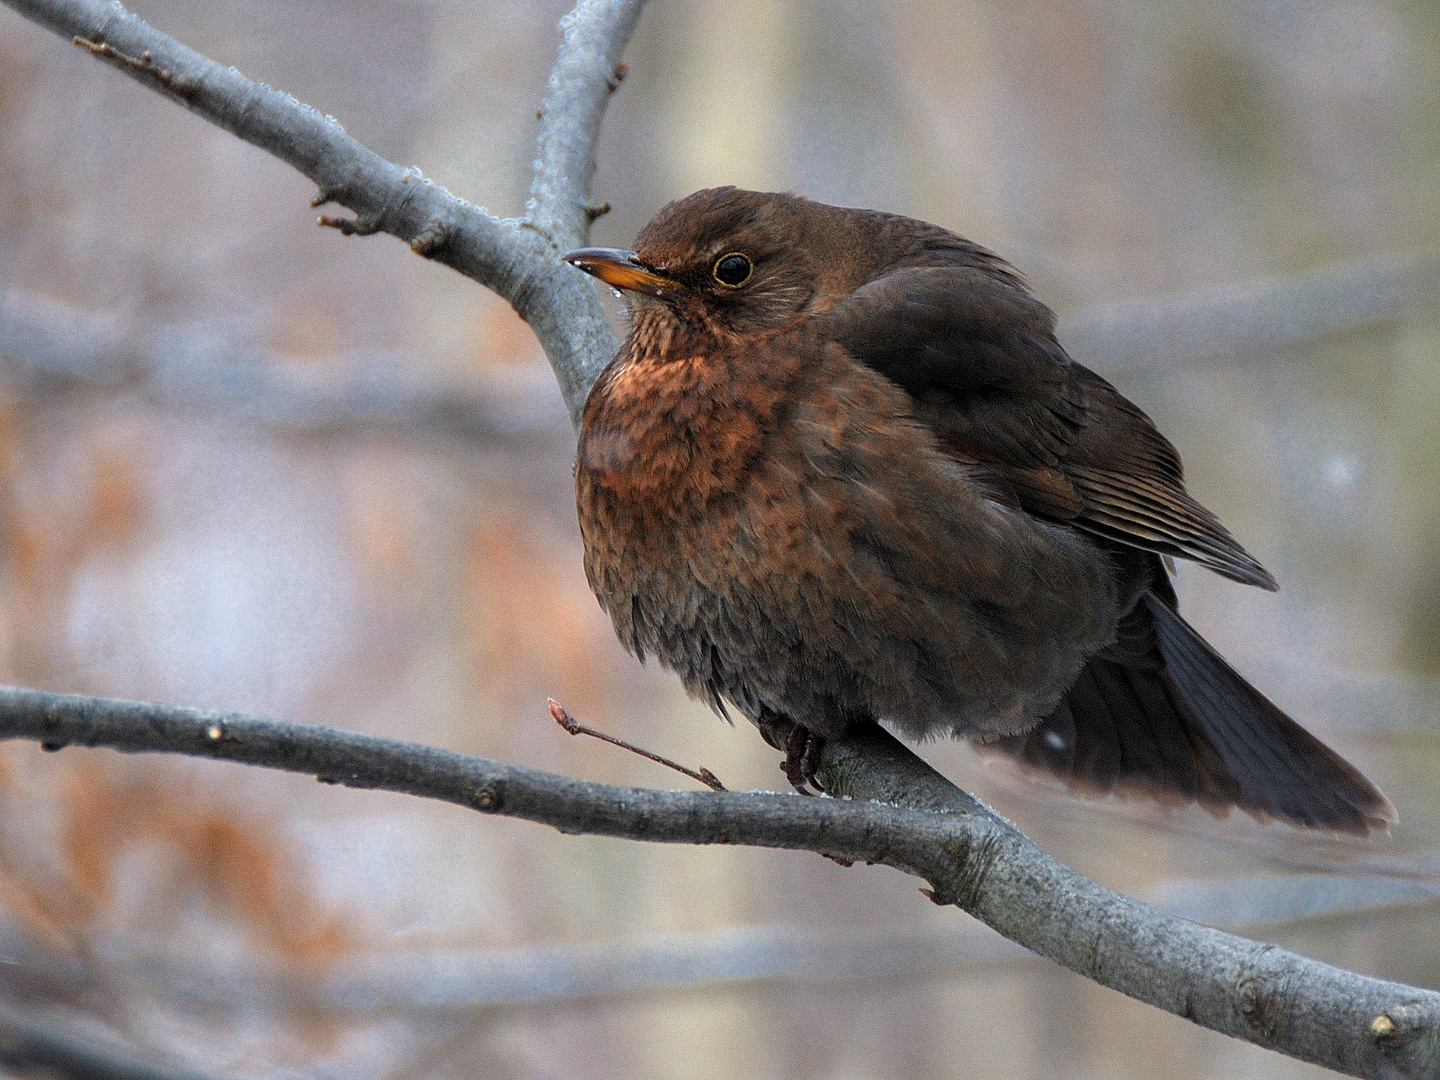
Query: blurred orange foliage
(229, 857)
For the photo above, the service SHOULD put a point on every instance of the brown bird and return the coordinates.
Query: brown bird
(841, 471)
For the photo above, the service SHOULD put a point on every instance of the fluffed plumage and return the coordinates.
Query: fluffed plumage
(842, 471)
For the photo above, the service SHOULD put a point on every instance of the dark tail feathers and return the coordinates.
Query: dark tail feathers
(1162, 715)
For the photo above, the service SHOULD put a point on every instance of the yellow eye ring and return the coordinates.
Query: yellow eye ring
(733, 270)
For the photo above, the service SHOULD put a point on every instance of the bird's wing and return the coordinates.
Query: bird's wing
(978, 354)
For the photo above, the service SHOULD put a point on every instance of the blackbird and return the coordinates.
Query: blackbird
(841, 472)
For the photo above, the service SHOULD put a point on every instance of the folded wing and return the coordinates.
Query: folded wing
(978, 354)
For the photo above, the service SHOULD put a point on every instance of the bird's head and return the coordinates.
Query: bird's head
(724, 261)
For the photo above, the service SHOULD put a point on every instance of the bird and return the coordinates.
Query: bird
(841, 472)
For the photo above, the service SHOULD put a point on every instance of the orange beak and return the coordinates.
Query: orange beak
(621, 269)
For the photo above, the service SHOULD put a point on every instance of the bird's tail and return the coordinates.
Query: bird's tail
(1162, 715)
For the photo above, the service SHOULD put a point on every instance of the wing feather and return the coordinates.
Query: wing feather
(978, 354)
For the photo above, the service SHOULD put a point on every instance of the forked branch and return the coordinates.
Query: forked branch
(515, 257)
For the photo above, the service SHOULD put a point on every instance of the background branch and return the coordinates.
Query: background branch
(454, 980)
(33, 1047)
(45, 344)
(1157, 332)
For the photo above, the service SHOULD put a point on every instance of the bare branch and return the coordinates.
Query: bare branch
(586, 73)
(971, 857)
(450, 980)
(456, 982)
(46, 343)
(47, 346)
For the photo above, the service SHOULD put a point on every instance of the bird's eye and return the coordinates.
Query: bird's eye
(733, 270)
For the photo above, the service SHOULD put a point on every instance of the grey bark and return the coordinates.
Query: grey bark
(919, 822)
(898, 812)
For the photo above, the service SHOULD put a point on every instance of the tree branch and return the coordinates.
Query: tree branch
(46, 344)
(971, 857)
(586, 73)
(559, 302)
(517, 259)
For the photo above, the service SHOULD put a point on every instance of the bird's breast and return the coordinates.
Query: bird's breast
(667, 453)
(665, 441)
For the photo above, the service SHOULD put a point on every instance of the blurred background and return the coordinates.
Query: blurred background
(250, 464)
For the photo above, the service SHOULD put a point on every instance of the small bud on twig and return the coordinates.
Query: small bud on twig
(574, 727)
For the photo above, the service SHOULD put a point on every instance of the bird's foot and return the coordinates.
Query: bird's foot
(802, 759)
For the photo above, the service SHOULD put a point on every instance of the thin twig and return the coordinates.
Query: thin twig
(574, 727)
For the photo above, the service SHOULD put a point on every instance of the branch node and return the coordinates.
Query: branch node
(322, 196)
(972, 863)
(593, 213)
(357, 226)
(488, 797)
(1256, 1000)
(940, 896)
(215, 732)
(1383, 1028)
(143, 64)
(429, 241)
(613, 82)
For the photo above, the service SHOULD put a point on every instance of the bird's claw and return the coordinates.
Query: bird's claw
(802, 759)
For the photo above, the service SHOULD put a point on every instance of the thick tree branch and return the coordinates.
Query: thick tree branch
(971, 857)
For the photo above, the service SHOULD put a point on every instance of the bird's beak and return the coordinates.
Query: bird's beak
(622, 269)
